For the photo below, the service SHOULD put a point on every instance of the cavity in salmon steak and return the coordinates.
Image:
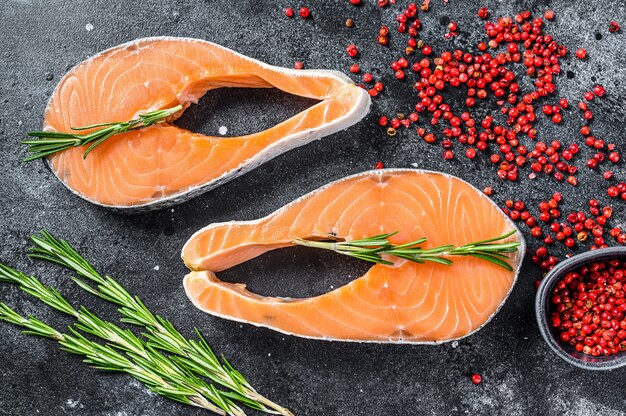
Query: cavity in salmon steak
(406, 302)
(163, 164)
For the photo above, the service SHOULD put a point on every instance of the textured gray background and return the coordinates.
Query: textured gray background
(40, 40)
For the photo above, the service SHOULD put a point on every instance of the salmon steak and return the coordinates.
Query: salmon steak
(163, 164)
(406, 302)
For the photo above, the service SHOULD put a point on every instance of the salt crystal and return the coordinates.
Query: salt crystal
(89, 27)
(223, 130)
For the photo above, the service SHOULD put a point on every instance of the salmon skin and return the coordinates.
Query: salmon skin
(163, 164)
(406, 302)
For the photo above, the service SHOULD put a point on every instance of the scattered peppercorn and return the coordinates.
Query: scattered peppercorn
(614, 27)
(477, 379)
(352, 50)
(305, 13)
(599, 90)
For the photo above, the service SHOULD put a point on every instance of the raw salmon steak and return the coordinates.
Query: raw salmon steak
(406, 302)
(163, 164)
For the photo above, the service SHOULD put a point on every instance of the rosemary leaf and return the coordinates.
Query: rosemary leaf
(411, 244)
(492, 259)
(489, 240)
(440, 260)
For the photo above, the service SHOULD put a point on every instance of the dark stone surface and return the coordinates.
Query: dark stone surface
(40, 40)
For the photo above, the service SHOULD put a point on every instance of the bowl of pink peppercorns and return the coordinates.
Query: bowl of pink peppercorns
(581, 309)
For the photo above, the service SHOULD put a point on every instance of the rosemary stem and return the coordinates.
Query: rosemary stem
(262, 399)
(104, 357)
(372, 248)
(49, 143)
(316, 244)
(195, 356)
(123, 340)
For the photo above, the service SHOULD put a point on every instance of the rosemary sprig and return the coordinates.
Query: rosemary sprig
(50, 142)
(104, 357)
(372, 248)
(195, 356)
(124, 340)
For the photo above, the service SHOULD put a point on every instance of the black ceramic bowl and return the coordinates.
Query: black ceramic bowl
(543, 309)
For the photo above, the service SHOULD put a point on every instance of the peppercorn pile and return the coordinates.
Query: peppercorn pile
(589, 308)
(484, 75)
